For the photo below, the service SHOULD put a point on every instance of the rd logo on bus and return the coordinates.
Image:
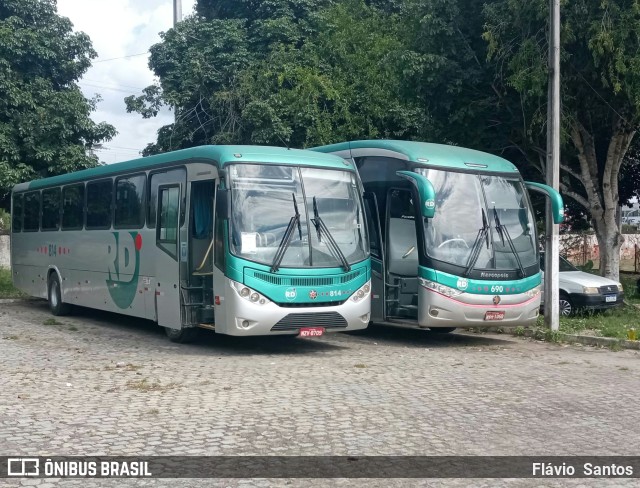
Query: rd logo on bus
(126, 262)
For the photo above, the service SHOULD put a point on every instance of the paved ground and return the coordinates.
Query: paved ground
(103, 384)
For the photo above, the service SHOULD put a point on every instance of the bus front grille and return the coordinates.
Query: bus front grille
(307, 281)
(333, 303)
(328, 320)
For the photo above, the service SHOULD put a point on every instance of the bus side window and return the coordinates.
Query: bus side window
(16, 213)
(168, 213)
(218, 246)
(32, 211)
(51, 209)
(99, 200)
(130, 202)
(155, 180)
(371, 213)
(72, 207)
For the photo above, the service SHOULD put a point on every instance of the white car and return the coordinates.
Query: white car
(584, 291)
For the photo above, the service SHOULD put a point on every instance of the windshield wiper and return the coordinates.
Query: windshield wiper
(321, 228)
(286, 238)
(503, 232)
(483, 234)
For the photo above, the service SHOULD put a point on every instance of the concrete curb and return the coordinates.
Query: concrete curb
(15, 300)
(587, 340)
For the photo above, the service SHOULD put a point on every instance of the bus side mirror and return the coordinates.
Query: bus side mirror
(425, 190)
(223, 206)
(557, 205)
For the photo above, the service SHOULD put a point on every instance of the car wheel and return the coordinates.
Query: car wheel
(183, 336)
(54, 297)
(566, 306)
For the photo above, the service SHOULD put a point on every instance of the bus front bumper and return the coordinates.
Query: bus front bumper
(246, 318)
(436, 310)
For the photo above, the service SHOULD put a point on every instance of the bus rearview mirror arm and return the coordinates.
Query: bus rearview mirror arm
(557, 205)
(425, 190)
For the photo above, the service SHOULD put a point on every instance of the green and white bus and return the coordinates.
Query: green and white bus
(245, 240)
(452, 235)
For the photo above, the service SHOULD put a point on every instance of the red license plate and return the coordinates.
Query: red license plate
(311, 331)
(494, 315)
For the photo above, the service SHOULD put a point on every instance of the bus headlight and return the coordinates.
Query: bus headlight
(447, 291)
(534, 292)
(249, 294)
(361, 292)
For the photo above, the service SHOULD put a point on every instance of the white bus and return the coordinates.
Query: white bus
(245, 240)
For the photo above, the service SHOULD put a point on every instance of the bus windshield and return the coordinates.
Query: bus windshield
(468, 203)
(265, 199)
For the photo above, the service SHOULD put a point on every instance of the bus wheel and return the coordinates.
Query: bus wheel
(442, 330)
(183, 336)
(54, 295)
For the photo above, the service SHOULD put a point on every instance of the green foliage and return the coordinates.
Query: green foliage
(586, 267)
(45, 128)
(281, 72)
(5, 220)
(7, 290)
(599, 64)
(609, 323)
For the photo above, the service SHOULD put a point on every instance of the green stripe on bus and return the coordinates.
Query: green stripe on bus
(480, 287)
(451, 157)
(218, 156)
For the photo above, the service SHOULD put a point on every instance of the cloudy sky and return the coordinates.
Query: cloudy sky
(122, 31)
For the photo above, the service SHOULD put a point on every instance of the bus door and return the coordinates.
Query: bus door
(378, 292)
(168, 258)
(402, 254)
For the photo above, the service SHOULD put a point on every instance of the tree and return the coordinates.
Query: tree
(281, 72)
(45, 127)
(201, 62)
(600, 96)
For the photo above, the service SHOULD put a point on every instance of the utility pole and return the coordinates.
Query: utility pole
(177, 17)
(552, 248)
(177, 12)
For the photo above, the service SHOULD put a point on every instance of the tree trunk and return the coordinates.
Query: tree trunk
(609, 242)
(602, 192)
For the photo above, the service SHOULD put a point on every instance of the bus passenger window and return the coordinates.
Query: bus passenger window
(99, 204)
(32, 211)
(16, 213)
(130, 202)
(72, 207)
(169, 205)
(51, 209)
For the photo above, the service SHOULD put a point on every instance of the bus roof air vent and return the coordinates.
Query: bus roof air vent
(476, 165)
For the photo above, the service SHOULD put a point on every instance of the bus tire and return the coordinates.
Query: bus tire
(182, 336)
(54, 296)
(442, 330)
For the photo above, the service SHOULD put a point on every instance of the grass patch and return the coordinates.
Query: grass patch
(7, 290)
(629, 282)
(52, 321)
(73, 328)
(11, 337)
(608, 323)
(360, 365)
